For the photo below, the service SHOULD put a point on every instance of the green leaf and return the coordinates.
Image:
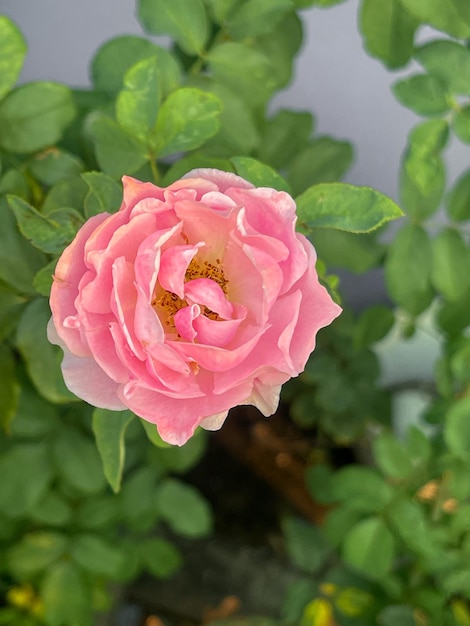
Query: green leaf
(220, 9)
(392, 457)
(65, 596)
(259, 174)
(53, 165)
(52, 510)
(256, 17)
(49, 233)
(450, 16)
(185, 21)
(15, 182)
(152, 434)
(449, 61)
(305, 544)
(10, 307)
(180, 459)
(361, 489)
(29, 472)
(35, 552)
(423, 94)
(373, 325)
(109, 428)
(42, 281)
(137, 498)
(9, 387)
(160, 557)
(36, 418)
(409, 521)
(422, 162)
(422, 204)
(345, 207)
(117, 152)
(323, 160)
(12, 53)
(284, 135)
(453, 316)
(97, 512)
(19, 261)
(319, 482)
(97, 556)
(369, 547)
(461, 124)
(114, 58)
(396, 614)
(457, 429)
(408, 269)
(458, 200)
(354, 252)
(338, 521)
(42, 359)
(451, 260)
(104, 194)
(35, 116)
(244, 70)
(187, 118)
(68, 192)
(78, 461)
(137, 103)
(183, 508)
(388, 30)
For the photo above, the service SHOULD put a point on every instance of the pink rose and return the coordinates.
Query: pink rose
(188, 301)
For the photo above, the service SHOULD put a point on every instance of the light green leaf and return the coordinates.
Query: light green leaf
(53, 165)
(117, 152)
(388, 30)
(345, 207)
(49, 233)
(187, 118)
(356, 253)
(183, 508)
(392, 457)
(361, 489)
(42, 359)
(220, 10)
(65, 596)
(410, 522)
(449, 61)
(369, 547)
(9, 386)
(323, 160)
(408, 269)
(12, 53)
(458, 200)
(160, 557)
(284, 135)
(97, 556)
(67, 192)
(461, 124)
(118, 55)
(29, 472)
(422, 161)
(256, 17)
(450, 16)
(423, 94)
(244, 70)
(305, 544)
(185, 21)
(451, 260)
(35, 552)
(35, 116)
(421, 204)
(109, 428)
(78, 461)
(104, 195)
(457, 429)
(137, 103)
(259, 174)
(42, 281)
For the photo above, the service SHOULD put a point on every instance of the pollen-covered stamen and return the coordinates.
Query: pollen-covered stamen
(206, 269)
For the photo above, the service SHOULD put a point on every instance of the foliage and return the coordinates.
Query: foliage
(89, 497)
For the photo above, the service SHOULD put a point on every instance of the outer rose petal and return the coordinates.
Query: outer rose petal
(188, 301)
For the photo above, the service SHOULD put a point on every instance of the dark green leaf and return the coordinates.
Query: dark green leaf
(137, 103)
(448, 61)
(319, 481)
(109, 428)
(104, 195)
(42, 281)
(256, 17)
(53, 165)
(457, 429)
(78, 461)
(35, 552)
(118, 55)
(388, 30)
(97, 556)
(36, 417)
(451, 260)
(52, 510)
(423, 94)
(373, 325)
(408, 269)
(392, 457)
(15, 182)
(354, 252)
(458, 200)
(97, 512)
(10, 307)
(68, 192)
(29, 472)
(345, 207)
(323, 160)
(396, 614)
(65, 596)
(453, 316)
(461, 124)
(450, 16)
(369, 547)
(259, 174)
(42, 359)
(284, 135)
(187, 118)
(9, 387)
(183, 508)
(180, 459)
(338, 522)
(117, 152)
(12, 53)
(49, 233)
(361, 489)
(35, 116)
(185, 21)
(160, 557)
(137, 498)
(305, 544)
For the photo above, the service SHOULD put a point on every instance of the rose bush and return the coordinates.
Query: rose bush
(188, 301)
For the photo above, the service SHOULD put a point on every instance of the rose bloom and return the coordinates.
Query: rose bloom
(188, 301)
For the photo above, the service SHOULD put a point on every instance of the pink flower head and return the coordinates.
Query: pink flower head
(188, 301)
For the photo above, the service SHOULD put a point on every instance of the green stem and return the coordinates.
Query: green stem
(154, 168)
